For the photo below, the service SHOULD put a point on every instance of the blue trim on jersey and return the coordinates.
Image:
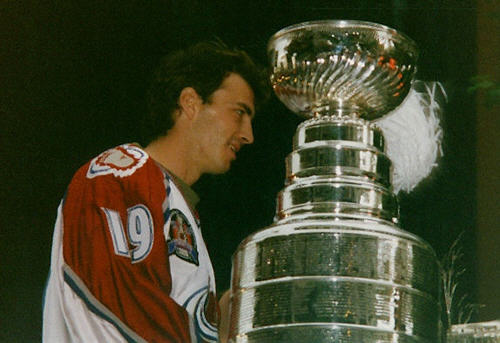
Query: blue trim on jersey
(188, 300)
(82, 295)
(168, 190)
(199, 316)
(205, 321)
(166, 215)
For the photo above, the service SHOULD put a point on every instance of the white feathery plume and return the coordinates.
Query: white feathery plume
(413, 135)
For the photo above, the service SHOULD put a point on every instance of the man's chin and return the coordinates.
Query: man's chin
(221, 169)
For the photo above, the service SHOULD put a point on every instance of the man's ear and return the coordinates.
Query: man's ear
(189, 102)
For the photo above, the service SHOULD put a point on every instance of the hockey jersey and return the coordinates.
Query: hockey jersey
(128, 259)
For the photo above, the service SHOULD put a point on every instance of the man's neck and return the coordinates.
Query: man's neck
(174, 155)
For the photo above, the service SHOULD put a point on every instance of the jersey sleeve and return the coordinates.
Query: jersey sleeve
(115, 253)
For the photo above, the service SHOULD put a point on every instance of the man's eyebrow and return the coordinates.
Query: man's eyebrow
(247, 108)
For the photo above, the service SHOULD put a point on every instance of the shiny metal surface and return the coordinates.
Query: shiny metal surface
(330, 277)
(337, 167)
(338, 146)
(337, 158)
(333, 129)
(337, 248)
(327, 194)
(334, 267)
(483, 332)
(325, 334)
(341, 67)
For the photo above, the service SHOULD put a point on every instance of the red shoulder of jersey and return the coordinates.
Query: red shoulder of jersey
(121, 161)
(114, 243)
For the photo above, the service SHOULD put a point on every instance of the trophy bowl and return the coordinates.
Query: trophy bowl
(341, 67)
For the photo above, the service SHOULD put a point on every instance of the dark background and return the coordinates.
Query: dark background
(73, 78)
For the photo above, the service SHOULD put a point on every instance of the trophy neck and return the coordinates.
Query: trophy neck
(338, 168)
(338, 129)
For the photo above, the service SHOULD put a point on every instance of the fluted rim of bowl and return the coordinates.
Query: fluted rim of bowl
(344, 23)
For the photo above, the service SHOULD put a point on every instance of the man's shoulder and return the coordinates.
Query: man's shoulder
(121, 162)
(123, 168)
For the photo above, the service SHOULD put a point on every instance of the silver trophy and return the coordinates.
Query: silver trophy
(334, 266)
(484, 332)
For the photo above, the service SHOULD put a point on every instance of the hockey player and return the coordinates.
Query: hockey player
(128, 259)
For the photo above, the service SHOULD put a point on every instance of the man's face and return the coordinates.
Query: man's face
(224, 124)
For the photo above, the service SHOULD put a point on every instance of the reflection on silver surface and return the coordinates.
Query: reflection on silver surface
(338, 146)
(330, 195)
(328, 67)
(324, 333)
(341, 248)
(484, 332)
(367, 278)
(334, 267)
(339, 159)
(337, 167)
(334, 129)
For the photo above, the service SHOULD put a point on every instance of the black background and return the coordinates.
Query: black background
(73, 78)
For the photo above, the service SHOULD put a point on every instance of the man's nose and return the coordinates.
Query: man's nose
(246, 131)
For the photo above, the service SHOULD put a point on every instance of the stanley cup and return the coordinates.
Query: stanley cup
(334, 266)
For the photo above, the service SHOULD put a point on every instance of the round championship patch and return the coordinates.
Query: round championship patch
(181, 240)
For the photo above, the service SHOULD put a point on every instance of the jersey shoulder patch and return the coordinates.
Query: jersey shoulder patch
(181, 239)
(121, 161)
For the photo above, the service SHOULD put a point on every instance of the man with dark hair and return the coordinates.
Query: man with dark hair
(128, 259)
(210, 64)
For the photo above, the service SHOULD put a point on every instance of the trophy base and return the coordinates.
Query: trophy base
(326, 333)
(334, 281)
